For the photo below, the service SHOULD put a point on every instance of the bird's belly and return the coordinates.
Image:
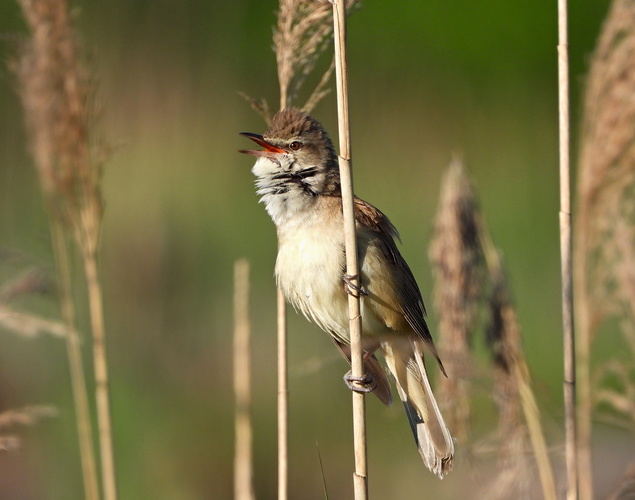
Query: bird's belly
(309, 271)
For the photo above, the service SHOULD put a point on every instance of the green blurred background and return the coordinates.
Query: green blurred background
(427, 80)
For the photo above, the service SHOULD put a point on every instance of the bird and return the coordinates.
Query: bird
(298, 181)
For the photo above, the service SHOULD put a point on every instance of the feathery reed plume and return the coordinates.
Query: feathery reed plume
(605, 229)
(243, 486)
(260, 106)
(457, 263)
(57, 99)
(303, 31)
(26, 416)
(469, 275)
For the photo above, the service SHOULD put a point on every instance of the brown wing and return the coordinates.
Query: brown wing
(410, 301)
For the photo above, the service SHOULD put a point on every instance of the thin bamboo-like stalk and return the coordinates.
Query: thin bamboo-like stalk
(76, 365)
(283, 401)
(360, 476)
(565, 256)
(283, 388)
(102, 383)
(243, 484)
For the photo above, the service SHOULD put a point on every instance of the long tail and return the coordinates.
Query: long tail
(405, 360)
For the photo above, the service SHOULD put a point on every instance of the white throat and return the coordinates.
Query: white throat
(287, 195)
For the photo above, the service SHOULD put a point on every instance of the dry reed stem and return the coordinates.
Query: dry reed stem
(605, 228)
(76, 366)
(243, 474)
(457, 263)
(283, 399)
(100, 366)
(57, 98)
(568, 333)
(360, 476)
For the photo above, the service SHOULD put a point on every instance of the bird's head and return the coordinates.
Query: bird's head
(297, 156)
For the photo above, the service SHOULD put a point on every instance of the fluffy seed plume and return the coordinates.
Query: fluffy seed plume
(56, 96)
(605, 228)
(607, 170)
(303, 32)
(457, 262)
(470, 283)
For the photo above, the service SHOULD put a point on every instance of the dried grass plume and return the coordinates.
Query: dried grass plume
(605, 228)
(303, 32)
(470, 284)
(457, 263)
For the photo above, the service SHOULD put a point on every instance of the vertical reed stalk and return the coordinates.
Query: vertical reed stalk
(283, 401)
(100, 363)
(76, 365)
(283, 379)
(243, 485)
(565, 255)
(360, 477)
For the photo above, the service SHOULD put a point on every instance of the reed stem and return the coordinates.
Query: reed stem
(76, 365)
(571, 451)
(283, 401)
(102, 383)
(283, 390)
(360, 476)
(243, 484)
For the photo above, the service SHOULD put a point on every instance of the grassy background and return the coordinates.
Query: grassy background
(427, 80)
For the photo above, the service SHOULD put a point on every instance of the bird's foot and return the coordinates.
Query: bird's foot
(352, 288)
(364, 384)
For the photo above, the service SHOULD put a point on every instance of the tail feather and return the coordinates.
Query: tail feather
(430, 432)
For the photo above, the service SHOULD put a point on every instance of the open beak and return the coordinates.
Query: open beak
(258, 139)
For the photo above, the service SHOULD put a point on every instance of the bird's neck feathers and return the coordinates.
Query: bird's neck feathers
(289, 191)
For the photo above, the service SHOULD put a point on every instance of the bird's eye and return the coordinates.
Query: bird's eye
(295, 145)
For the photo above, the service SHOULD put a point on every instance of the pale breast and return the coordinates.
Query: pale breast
(310, 268)
(309, 271)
